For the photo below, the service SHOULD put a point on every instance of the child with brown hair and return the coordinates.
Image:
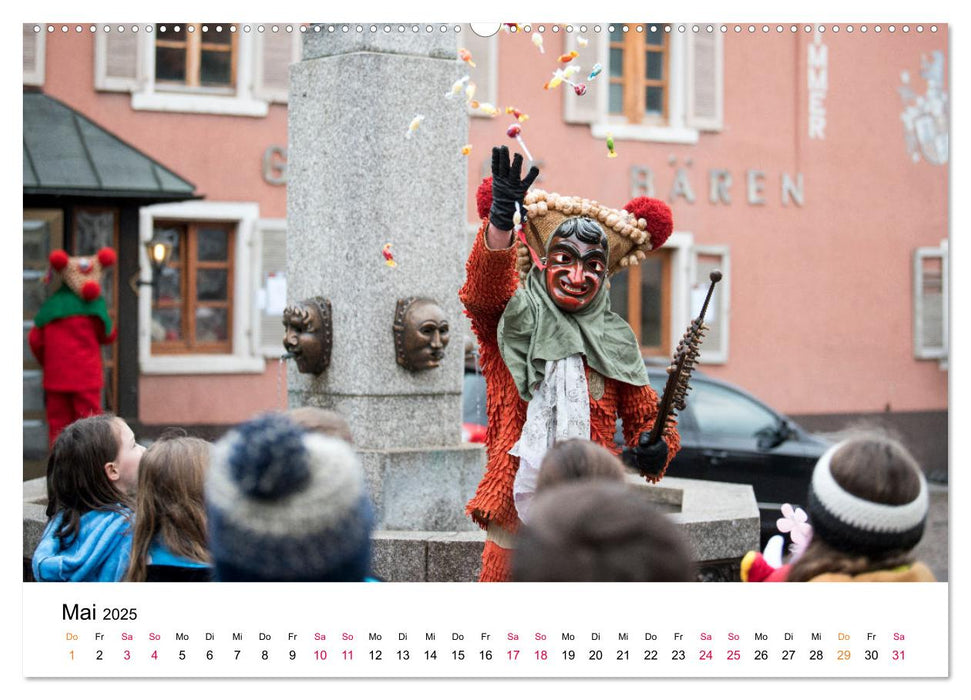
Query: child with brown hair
(92, 473)
(569, 460)
(599, 530)
(169, 541)
(867, 506)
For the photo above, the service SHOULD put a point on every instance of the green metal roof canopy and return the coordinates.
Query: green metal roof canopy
(65, 153)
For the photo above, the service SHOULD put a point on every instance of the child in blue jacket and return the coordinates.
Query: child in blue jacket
(92, 474)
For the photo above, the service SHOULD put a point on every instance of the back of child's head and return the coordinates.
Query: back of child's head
(323, 421)
(76, 478)
(170, 502)
(599, 530)
(287, 505)
(867, 506)
(574, 459)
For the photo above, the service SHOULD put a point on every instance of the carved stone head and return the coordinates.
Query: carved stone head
(308, 334)
(420, 333)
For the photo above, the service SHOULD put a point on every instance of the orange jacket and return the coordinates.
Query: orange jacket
(490, 283)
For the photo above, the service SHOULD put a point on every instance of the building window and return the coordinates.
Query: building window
(639, 74)
(205, 71)
(642, 295)
(201, 58)
(662, 295)
(931, 303)
(204, 317)
(656, 85)
(193, 310)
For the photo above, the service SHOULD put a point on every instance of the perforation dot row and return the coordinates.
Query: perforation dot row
(428, 28)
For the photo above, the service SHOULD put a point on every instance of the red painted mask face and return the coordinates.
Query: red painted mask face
(575, 271)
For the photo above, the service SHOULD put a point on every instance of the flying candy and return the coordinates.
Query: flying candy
(466, 149)
(597, 70)
(457, 86)
(470, 92)
(555, 82)
(413, 127)
(581, 42)
(567, 57)
(520, 117)
(388, 256)
(570, 71)
(538, 42)
(611, 153)
(466, 56)
(580, 89)
(514, 132)
(485, 108)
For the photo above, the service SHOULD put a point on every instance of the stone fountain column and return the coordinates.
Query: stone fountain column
(357, 181)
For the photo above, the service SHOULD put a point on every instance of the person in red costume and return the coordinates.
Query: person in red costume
(69, 330)
(558, 363)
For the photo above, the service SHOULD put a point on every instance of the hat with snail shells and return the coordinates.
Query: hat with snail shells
(643, 225)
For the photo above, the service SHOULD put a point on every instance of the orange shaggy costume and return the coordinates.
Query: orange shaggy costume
(490, 283)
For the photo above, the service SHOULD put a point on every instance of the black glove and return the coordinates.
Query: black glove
(648, 460)
(508, 187)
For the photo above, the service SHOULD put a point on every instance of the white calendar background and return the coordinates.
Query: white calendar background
(404, 630)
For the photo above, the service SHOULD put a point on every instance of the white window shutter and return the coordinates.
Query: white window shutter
(33, 50)
(272, 271)
(116, 60)
(705, 259)
(931, 303)
(485, 75)
(704, 77)
(590, 107)
(274, 53)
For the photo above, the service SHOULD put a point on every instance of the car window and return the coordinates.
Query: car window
(721, 411)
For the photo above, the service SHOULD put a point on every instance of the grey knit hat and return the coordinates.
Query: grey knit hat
(287, 505)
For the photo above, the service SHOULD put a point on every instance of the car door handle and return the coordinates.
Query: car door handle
(715, 456)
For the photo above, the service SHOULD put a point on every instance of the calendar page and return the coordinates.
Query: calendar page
(492, 356)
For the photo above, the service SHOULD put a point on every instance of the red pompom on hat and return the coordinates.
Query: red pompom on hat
(660, 222)
(90, 290)
(107, 257)
(58, 259)
(483, 198)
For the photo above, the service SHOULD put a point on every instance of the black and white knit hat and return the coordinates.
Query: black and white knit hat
(857, 525)
(287, 505)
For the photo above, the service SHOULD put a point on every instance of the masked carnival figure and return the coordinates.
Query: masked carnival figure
(558, 362)
(69, 329)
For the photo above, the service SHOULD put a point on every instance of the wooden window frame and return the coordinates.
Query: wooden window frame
(634, 305)
(194, 43)
(189, 265)
(633, 80)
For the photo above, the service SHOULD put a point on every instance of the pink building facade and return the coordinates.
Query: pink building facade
(810, 167)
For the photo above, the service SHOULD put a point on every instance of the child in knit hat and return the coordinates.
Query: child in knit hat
(287, 505)
(867, 506)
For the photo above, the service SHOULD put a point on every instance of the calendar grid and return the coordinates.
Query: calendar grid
(442, 630)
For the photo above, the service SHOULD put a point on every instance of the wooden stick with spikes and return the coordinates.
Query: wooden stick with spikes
(681, 367)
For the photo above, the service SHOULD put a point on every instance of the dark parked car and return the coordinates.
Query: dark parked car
(729, 435)
(726, 435)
